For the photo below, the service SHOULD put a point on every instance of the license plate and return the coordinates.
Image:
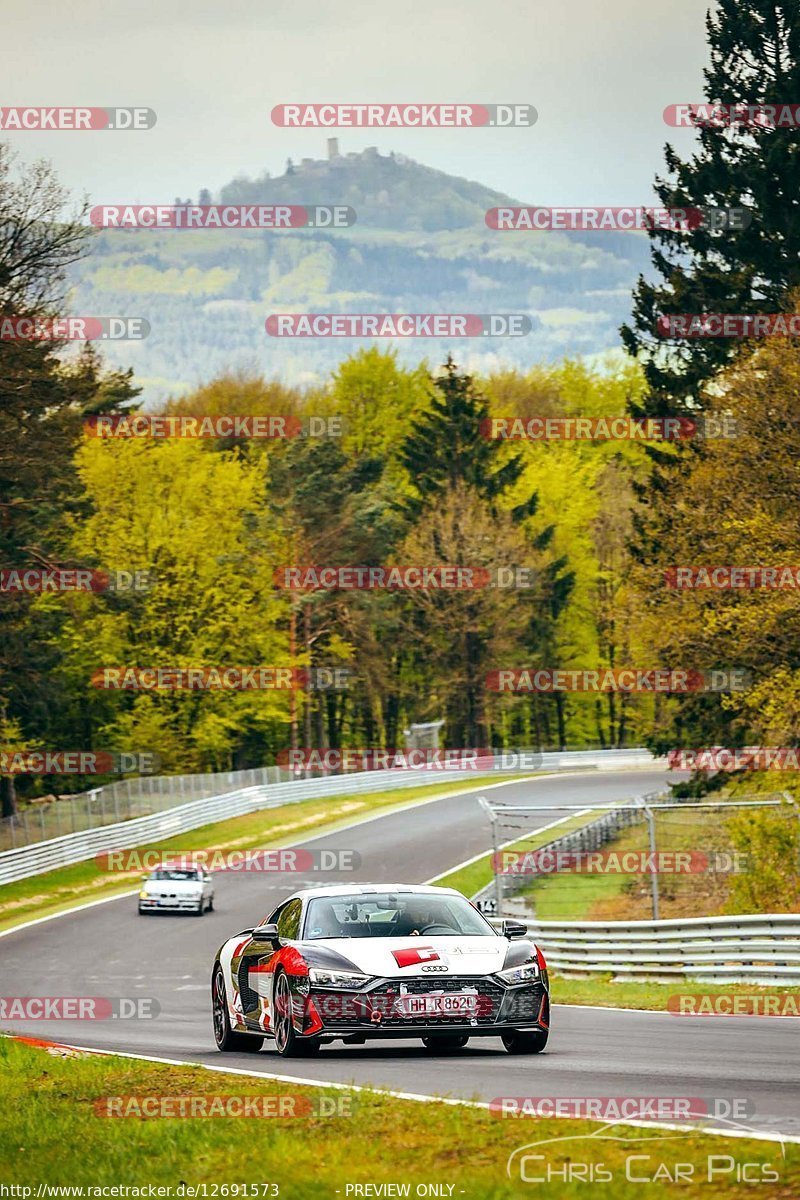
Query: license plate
(456, 1004)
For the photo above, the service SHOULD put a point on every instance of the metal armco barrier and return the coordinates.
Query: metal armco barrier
(39, 857)
(745, 949)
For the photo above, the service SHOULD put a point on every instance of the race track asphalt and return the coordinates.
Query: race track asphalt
(108, 950)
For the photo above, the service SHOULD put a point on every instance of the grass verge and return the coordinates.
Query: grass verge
(601, 990)
(56, 1138)
(42, 895)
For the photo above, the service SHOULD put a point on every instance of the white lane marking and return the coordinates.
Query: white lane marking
(68, 911)
(478, 787)
(419, 1097)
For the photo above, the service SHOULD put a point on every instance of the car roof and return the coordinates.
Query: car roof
(371, 889)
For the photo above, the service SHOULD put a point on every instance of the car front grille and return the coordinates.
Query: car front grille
(496, 1004)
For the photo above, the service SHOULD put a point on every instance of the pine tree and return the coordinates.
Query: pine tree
(447, 448)
(755, 60)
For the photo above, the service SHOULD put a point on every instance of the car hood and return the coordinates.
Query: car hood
(173, 887)
(402, 958)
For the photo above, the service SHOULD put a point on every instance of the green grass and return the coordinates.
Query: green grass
(41, 895)
(600, 990)
(56, 1137)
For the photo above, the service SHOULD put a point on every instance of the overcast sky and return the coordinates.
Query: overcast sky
(600, 76)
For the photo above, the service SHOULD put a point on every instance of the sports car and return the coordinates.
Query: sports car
(356, 962)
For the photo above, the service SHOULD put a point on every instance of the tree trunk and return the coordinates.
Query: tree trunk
(8, 796)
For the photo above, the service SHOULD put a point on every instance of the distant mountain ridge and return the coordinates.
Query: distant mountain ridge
(420, 244)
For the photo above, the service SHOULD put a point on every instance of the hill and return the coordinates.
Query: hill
(420, 244)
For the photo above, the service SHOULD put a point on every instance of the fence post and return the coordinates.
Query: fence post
(651, 825)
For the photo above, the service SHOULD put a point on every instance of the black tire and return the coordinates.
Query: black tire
(518, 1042)
(201, 908)
(287, 1043)
(226, 1038)
(445, 1042)
(211, 904)
(141, 911)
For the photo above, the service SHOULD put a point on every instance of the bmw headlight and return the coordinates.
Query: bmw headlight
(523, 974)
(144, 895)
(336, 979)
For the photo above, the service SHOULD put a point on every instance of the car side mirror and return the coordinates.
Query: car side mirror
(514, 929)
(266, 933)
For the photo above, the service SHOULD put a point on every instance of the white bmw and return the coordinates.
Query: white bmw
(177, 889)
(356, 961)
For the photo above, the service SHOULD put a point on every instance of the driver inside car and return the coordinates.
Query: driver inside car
(413, 920)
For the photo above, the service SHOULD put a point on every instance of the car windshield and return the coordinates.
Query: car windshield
(175, 875)
(393, 914)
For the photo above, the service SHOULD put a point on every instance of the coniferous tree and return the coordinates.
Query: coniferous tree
(447, 447)
(755, 61)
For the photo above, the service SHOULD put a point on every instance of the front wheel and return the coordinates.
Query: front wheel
(442, 1043)
(287, 1043)
(517, 1042)
(228, 1039)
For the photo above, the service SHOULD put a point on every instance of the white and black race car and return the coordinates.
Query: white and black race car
(357, 961)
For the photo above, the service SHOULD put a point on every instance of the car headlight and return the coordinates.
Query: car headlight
(336, 979)
(143, 895)
(521, 974)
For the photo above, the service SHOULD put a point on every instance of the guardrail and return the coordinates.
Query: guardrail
(741, 949)
(43, 856)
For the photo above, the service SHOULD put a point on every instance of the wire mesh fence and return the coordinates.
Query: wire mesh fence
(651, 859)
(123, 800)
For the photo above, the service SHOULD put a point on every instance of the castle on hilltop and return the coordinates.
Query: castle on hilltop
(336, 159)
